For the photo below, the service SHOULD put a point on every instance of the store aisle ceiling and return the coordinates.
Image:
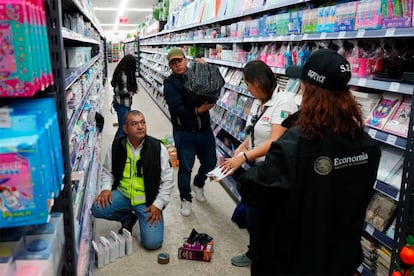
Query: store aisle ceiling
(109, 11)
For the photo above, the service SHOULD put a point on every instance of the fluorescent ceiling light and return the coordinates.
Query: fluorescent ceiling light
(129, 9)
(120, 25)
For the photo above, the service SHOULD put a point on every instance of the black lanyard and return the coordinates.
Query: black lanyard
(254, 121)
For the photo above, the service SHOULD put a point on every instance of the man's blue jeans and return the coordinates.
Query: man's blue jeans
(190, 144)
(121, 111)
(121, 209)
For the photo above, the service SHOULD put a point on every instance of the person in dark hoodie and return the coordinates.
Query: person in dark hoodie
(125, 86)
(136, 182)
(317, 179)
(192, 132)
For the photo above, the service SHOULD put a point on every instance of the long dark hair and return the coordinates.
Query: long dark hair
(323, 109)
(256, 71)
(128, 65)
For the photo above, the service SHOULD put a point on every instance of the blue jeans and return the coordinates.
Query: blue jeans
(121, 209)
(121, 111)
(190, 144)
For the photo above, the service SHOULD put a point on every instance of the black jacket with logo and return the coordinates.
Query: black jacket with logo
(314, 196)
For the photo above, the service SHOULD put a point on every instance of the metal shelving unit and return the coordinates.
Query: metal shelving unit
(63, 79)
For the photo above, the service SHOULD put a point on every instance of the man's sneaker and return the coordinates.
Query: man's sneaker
(130, 225)
(241, 260)
(185, 209)
(199, 194)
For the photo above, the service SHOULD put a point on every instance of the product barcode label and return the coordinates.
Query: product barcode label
(391, 139)
(370, 229)
(5, 118)
(360, 33)
(394, 86)
(362, 82)
(372, 132)
(390, 32)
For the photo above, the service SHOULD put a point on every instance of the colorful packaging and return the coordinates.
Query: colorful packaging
(17, 70)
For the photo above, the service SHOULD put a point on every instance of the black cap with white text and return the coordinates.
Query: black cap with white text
(324, 68)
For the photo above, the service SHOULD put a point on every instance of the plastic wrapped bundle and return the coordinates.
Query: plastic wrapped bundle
(203, 83)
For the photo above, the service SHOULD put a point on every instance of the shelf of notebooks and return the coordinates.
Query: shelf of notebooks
(155, 96)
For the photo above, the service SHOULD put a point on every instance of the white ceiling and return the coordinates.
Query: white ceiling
(112, 16)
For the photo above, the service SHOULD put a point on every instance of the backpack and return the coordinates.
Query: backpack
(203, 83)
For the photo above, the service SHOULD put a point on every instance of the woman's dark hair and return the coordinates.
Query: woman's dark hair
(323, 109)
(257, 72)
(128, 65)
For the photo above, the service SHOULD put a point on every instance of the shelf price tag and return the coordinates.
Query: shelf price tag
(391, 139)
(323, 35)
(390, 32)
(370, 229)
(360, 268)
(394, 86)
(372, 132)
(362, 82)
(341, 34)
(360, 33)
(5, 118)
(305, 36)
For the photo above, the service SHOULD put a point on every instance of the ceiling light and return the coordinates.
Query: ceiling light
(129, 9)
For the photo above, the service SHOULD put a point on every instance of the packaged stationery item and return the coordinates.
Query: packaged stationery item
(382, 111)
(23, 200)
(17, 70)
(345, 16)
(369, 15)
(46, 110)
(399, 121)
(397, 13)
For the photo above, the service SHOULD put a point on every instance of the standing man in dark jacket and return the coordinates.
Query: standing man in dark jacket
(192, 132)
(317, 179)
(136, 182)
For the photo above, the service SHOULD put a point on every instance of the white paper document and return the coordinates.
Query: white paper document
(217, 174)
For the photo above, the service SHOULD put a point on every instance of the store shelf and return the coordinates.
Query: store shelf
(228, 151)
(228, 130)
(238, 89)
(75, 5)
(232, 110)
(365, 271)
(163, 109)
(391, 86)
(379, 236)
(381, 33)
(279, 4)
(78, 111)
(71, 35)
(230, 185)
(72, 74)
(387, 138)
(387, 190)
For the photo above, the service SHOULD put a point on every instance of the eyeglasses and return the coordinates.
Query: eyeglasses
(135, 123)
(176, 61)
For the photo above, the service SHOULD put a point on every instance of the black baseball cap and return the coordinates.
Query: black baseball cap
(324, 68)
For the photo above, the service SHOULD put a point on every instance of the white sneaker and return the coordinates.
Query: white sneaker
(199, 194)
(185, 209)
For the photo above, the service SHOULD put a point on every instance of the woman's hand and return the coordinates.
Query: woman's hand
(232, 164)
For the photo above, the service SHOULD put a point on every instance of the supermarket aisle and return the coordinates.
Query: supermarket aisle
(211, 217)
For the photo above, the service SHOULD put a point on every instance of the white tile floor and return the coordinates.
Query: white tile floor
(211, 217)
